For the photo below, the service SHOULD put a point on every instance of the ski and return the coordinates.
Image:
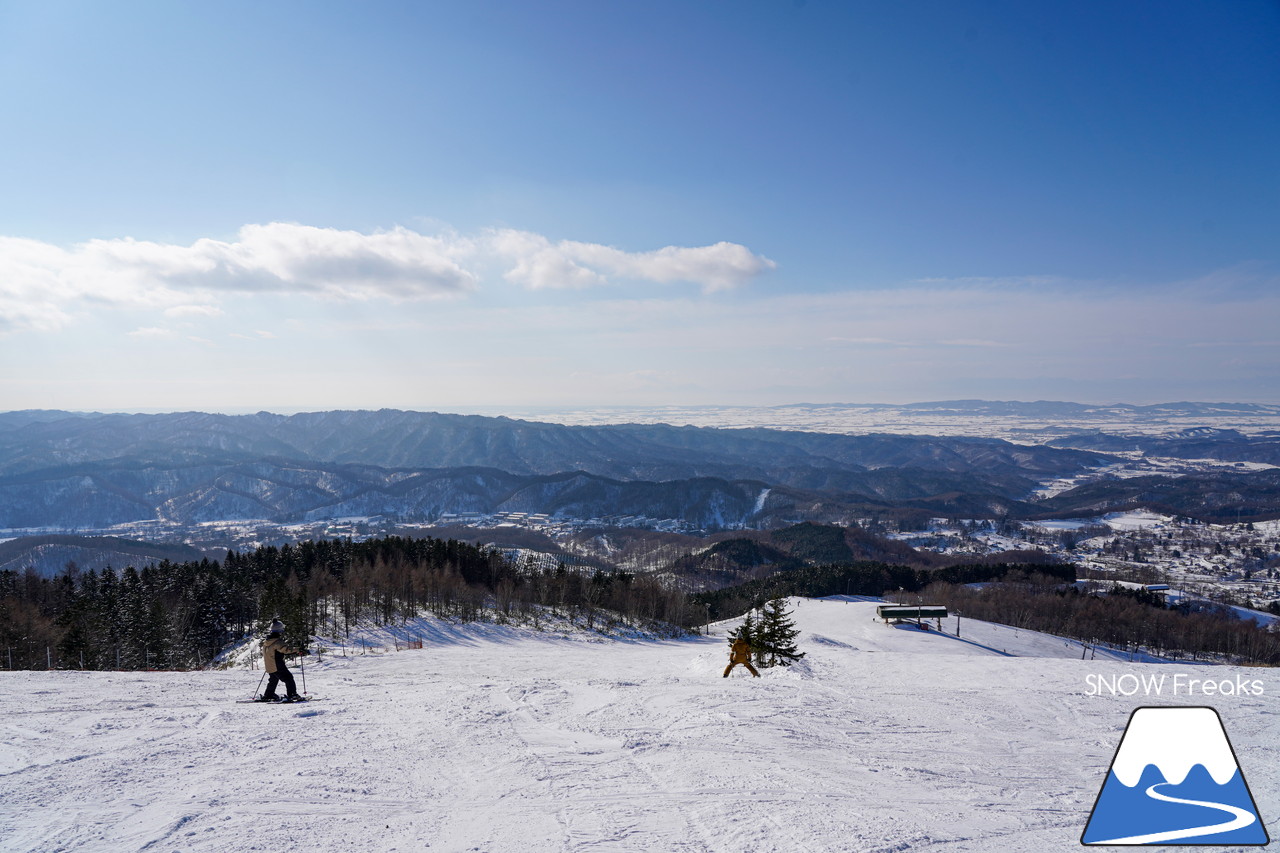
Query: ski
(276, 701)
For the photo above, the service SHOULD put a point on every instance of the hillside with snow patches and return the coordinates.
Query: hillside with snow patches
(489, 738)
(64, 471)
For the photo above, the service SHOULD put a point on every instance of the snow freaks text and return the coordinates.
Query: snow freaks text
(1179, 684)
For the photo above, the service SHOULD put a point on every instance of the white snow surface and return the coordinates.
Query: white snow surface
(496, 739)
(1136, 520)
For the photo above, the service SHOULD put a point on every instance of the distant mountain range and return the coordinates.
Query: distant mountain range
(1225, 445)
(49, 555)
(41, 441)
(1222, 497)
(68, 470)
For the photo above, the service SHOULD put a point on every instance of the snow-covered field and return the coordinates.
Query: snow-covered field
(1025, 426)
(502, 739)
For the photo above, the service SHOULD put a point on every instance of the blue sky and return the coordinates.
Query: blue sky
(290, 206)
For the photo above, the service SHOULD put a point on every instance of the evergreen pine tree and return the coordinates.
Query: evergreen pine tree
(776, 635)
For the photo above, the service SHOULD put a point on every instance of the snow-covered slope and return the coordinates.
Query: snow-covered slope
(503, 739)
(856, 626)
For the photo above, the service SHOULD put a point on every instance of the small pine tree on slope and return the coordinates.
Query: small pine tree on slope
(775, 636)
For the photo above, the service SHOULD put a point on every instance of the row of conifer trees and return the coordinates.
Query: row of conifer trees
(182, 615)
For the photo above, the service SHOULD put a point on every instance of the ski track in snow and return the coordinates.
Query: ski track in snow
(881, 739)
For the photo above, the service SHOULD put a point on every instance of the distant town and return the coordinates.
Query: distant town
(1235, 564)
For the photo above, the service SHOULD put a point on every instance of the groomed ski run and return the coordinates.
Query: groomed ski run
(511, 740)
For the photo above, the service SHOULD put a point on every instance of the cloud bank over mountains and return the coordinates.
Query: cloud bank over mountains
(42, 285)
(302, 317)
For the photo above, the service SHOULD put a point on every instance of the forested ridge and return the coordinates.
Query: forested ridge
(865, 577)
(1120, 617)
(181, 615)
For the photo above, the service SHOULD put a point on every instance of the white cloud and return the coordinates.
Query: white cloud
(539, 263)
(32, 295)
(42, 286)
(397, 264)
(153, 332)
(284, 257)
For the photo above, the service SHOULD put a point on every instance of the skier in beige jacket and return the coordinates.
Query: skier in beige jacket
(273, 652)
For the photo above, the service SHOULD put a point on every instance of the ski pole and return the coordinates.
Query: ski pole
(303, 663)
(255, 690)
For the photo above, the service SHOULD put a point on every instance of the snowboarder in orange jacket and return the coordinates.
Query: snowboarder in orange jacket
(740, 653)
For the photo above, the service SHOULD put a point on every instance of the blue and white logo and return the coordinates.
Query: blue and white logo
(1175, 780)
